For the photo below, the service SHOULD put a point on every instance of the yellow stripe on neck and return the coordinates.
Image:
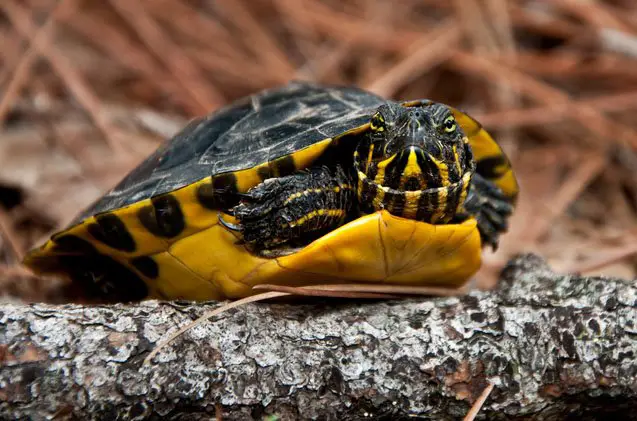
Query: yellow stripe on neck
(380, 175)
(443, 170)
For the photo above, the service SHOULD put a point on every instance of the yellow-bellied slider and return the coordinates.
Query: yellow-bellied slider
(298, 185)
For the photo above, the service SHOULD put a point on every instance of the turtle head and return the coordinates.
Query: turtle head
(414, 162)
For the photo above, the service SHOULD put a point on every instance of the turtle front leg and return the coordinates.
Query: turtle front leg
(295, 209)
(490, 207)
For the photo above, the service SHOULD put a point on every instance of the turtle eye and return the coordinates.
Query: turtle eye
(449, 125)
(377, 124)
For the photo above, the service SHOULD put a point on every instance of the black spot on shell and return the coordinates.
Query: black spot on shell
(220, 193)
(226, 183)
(110, 230)
(285, 166)
(146, 265)
(490, 167)
(102, 278)
(73, 244)
(164, 218)
(207, 197)
(264, 173)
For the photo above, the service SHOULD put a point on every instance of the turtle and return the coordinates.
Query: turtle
(294, 185)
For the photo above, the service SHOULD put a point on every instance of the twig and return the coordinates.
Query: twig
(259, 40)
(184, 70)
(471, 415)
(591, 165)
(10, 236)
(619, 42)
(544, 93)
(78, 87)
(10, 53)
(605, 258)
(23, 68)
(345, 27)
(120, 48)
(435, 47)
(208, 315)
(593, 12)
(478, 34)
(198, 25)
(535, 116)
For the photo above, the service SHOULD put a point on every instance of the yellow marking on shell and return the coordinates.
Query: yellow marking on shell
(384, 248)
(355, 130)
(196, 216)
(411, 103)
(508, 183)
(248, 178)
(483, 147)
(412, 169)
(377, 248)
(296, 195)
(443, 170)
(178, 281)
(380, 174)
(206, 262)
(442, 204)
(217, 256)
(332, 213)
(305, 157)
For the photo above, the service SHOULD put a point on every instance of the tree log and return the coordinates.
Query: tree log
(554, 346)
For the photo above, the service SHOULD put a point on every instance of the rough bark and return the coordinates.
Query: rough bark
(554, 346)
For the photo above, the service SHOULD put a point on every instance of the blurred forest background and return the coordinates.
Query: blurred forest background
(89, 88)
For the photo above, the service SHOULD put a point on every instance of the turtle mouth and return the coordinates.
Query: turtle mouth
(433, 205)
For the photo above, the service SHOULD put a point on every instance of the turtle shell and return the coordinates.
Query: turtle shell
(250, 134)
(157, 233)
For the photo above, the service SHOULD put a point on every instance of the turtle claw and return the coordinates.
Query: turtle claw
(228, 225)
(278, 252)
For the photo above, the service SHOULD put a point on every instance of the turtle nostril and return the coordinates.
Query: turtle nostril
(414, 114)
